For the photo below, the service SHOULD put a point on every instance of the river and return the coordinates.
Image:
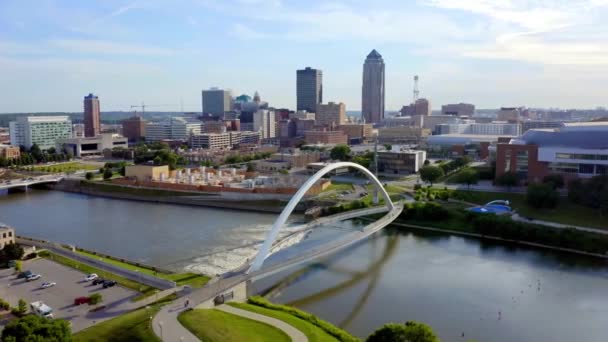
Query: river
(486, 290)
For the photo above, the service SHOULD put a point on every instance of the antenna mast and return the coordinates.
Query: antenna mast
(416, 91)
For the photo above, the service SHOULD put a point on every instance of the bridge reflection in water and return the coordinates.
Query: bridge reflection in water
(371, 273)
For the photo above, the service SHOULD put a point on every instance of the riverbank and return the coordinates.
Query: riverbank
(212, 200)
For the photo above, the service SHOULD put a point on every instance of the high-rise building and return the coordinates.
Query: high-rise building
(458, 109)
(264, 122)
(217, 101)
(134, 128)
(175, 128)
(372, 99)
(91, 116)
(309, 89)
(43, 131)
(331, 114)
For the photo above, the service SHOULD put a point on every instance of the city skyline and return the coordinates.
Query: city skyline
(491, 54)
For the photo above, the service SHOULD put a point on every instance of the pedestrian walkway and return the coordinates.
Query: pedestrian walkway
(516, 217)
(167, 327)
(293, 333)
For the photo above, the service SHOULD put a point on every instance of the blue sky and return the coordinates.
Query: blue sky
(538, 53)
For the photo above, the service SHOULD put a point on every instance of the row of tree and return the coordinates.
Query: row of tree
(591, 193)
(35, 156)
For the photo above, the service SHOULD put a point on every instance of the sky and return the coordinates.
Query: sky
(536, 53)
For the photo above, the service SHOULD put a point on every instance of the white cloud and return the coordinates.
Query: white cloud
(108, 47)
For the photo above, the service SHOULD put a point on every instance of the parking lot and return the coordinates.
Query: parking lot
(70, 285)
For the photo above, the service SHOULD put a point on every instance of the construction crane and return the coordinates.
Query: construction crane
(143, 107)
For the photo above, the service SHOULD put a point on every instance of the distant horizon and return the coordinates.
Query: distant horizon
(549, 54)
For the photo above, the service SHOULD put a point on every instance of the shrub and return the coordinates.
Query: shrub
(89, 175)
(338, 333)
(18, 266)
(556, 181)
(95, 299)
(21, 308)
(411, 331)
(417, 186)
(542, 196)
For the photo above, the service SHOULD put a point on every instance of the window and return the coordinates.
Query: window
(586, 168)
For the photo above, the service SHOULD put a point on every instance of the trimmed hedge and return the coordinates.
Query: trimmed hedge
(326, 326)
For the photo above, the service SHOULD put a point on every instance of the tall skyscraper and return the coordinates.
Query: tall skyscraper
(309, 89)
(217, 101)
(372, 100)
(91, 116)
(264, 122)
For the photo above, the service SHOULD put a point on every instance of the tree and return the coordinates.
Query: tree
(556, 181)
(388, 147)
(430, 173)
(107, 173)
(18, 266)
(411, 331)
(427, 162)
(89, 175)
(340, 152)
(542, 196)
(508, 179)
(95, 299)
(250, 167)
(468, 176)
(36, 152)
(34, 328)
(13, 251)
(21, 308)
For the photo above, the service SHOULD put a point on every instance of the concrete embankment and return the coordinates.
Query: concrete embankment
(243, 202)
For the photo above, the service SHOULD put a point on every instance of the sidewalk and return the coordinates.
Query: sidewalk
(168, 328)
(516, 217)
(293, 333)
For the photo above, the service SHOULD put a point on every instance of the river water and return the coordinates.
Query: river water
(488, 291)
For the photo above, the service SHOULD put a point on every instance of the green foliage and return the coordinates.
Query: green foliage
(21, 308)
(430, 173)
(425, 211)
(4, 305)
(338, 333)
(107, 173)
(284, 172)
(542, 196)
(411, 331)
(467, 176)
(427, 162)
(508, 179)
(95, 299)
(13, 251)
(592, 193)
(250, 167)
(556, 181)
(33, 328)
(340, 152)
(18, 265)
(454, 164)
(388, 147)
(89, 175)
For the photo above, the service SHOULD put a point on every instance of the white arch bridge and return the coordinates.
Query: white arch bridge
(228, 283)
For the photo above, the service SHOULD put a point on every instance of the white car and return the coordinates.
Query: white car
(90, 277)
(46, 285)
(33, 277)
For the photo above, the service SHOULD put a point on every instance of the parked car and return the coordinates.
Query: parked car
(81, 300)
(47, 284)
(91, 276)
(24, 274)
(109, 283)
(33, 277)
(98, 281)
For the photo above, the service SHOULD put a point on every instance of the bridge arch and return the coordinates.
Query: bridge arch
(264, 251)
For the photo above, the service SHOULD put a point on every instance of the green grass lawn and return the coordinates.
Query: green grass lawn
(192, 279)
(566, 212)
(145, 290)
(133, 326)
(218, 326)
(339, 187)
(66, 167)
(314, 333)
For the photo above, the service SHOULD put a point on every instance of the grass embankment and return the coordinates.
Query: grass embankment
(566, 212)
(66, 167)
(312, 332)
(335, 332)
(133, 326)
(192, 279)
(144, 192)
(145, 290)
(217, 326)
(339, 187)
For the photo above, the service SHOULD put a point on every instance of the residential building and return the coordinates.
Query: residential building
(264, 122)
(357, 133)
(508, 114)
(325, 137)
(400, 161)
(330, 115)
(174, 128)
(7, 235)
(216, 101)
(134, 128)
(147, 172)
(85, 146)
(372, 97)
(309, 89)
(576, 150)
(92, 126)
(9, 151)
(493, 128)
(212, 141)
(40, 130)
(458, 109)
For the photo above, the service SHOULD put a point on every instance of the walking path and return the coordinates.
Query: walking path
(167, 327)
(293, 333)
(516, 217)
